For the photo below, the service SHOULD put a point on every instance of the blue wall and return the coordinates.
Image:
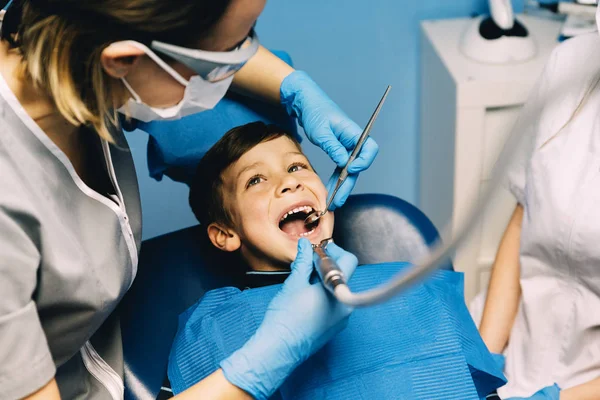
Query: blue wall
(353, 49)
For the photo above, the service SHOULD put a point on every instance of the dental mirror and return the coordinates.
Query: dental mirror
(314, 216)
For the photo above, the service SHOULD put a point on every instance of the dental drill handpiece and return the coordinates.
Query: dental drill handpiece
(315, 215)
(331, 275)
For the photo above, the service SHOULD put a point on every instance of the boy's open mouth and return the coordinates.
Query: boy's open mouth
(292, 222)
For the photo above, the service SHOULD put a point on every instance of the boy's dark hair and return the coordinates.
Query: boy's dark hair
(206, 195)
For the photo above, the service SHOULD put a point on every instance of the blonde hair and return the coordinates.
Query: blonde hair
(61, 42)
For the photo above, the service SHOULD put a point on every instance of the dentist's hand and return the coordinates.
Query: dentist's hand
(328, 127)
(547, 393)
(300, 319)
(500, 360)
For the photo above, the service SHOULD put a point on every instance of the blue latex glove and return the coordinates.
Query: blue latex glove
(500, 360)
(300, 319)
(328, 127)
(547, 393)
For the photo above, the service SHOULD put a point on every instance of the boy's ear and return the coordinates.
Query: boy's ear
(223, 238)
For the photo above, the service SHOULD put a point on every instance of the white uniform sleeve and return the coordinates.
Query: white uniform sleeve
(524, 133)
(26, 363)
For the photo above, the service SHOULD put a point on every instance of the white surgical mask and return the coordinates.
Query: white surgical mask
(200, 95)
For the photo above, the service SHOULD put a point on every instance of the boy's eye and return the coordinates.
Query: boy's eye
(255, 180)
(296, 167)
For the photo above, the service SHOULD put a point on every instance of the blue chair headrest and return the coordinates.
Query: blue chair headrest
(380, 228)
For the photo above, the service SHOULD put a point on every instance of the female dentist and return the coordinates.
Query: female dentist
(543, 304)
(69, 203)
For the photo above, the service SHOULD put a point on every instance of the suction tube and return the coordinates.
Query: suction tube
(331, 275)
(334, 280)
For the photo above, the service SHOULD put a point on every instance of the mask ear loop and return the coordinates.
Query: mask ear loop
(161, 63)
(132, 92)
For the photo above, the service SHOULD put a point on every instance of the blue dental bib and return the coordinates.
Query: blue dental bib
(421, 345)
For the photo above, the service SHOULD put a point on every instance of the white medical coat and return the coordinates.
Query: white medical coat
(556, 333)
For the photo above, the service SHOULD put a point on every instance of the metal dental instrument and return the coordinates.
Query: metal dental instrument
(315, 215)
(331, 275)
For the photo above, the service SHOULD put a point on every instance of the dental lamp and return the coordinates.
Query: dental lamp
(499, 38)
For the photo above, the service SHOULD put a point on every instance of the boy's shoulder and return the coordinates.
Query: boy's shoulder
(212, 329)
(209, 302)
(215, 302)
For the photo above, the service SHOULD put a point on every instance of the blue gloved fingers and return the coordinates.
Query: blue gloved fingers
(348, 133)
(345, 260)
(365, 157)
(299, 320)
(346, 130)
(500, 360)
(302, 267)
(554, 390)
(334, 149)
(547, 393)
(325, 124)
(343, 193)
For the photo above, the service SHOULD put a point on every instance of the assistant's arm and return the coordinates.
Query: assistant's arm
(48, 392)
(262, 76)
(586, 391)
(504, 291)
(214, 386)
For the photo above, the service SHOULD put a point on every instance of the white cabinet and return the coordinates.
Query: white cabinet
(467, 110)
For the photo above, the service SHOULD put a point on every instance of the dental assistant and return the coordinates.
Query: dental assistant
(70, 219)
(543, 305)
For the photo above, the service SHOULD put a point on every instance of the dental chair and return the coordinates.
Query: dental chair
(176, 269)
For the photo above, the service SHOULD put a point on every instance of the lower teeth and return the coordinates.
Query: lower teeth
(307, 233)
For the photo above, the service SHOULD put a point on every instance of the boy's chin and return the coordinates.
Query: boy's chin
(291, 252)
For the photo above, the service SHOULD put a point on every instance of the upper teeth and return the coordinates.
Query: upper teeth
(306, 209)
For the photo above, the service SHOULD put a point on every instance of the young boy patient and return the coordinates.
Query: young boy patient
(252, 192)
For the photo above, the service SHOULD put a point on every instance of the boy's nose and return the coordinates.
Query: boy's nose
(289, 184)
